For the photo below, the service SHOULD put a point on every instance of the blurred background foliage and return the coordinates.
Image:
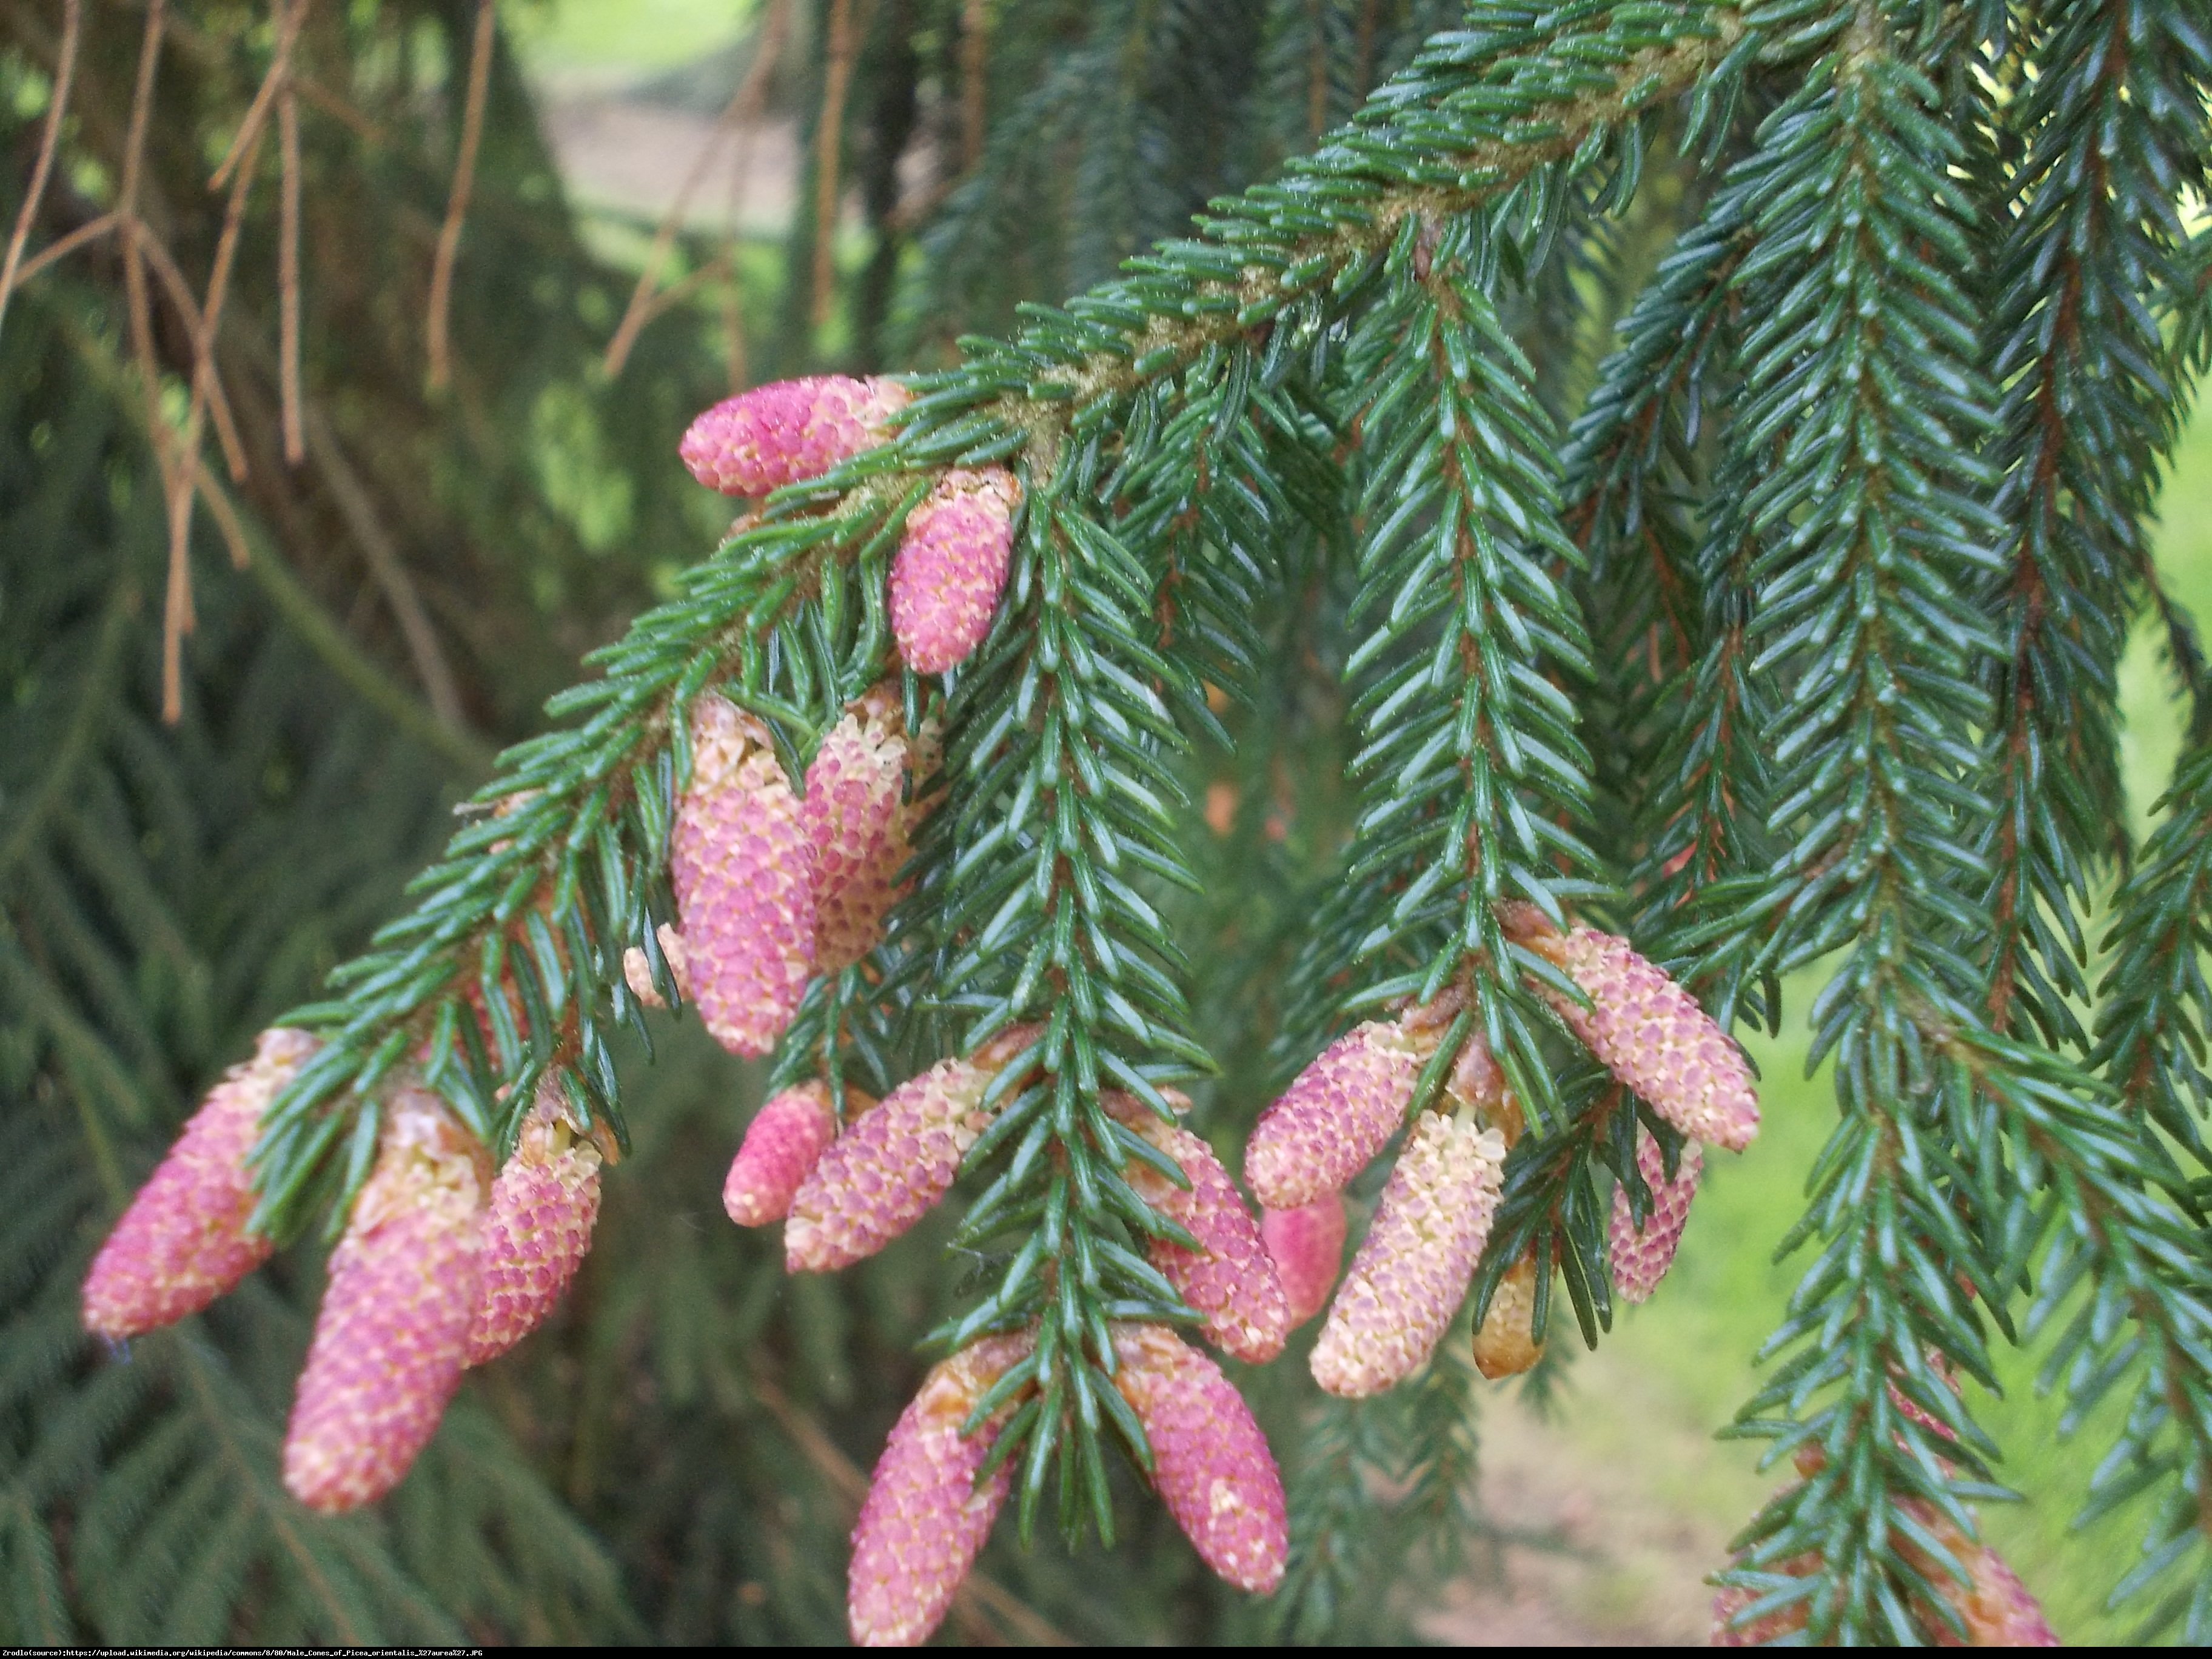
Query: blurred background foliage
(677, 1457)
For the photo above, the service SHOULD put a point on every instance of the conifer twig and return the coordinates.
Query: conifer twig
(60, 248)
(456, 205)
(49, 140)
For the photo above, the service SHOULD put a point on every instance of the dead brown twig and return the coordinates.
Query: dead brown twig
(829, 148)
(288, 273)
(49, 141)
(456, 205)
(737, 118)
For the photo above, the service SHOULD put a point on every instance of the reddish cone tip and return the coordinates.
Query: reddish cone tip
(405, 1286)
(1308, 1246)
(1211, 1463)
(1333, 1118)
(1232, 1278)
(779, 434)
(1640, 1259)
(744, 883)
(537, 1229)
(781, 1146)
(925, 1518)
(950, 565)
(183, 1242)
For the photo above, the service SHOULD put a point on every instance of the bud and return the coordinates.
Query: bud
(1506, 1344)
(1308, 1246)
(183, 1242)
(858, 821)
(1210, 1462)
(537, 1229)
(744, 883)
(1232, 1279)
(1640, 1260)
(406, 1283)
(1333, 1118)
(779, 434)
(1412, 1269)
(781, 1145)
(925, 1518)
(1647, 1031)
(950, 565)
(891, 1166)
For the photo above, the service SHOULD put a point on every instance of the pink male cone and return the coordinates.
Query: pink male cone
(183, 1241)
(1640, 1260)
(1647, 1031)
(536, 1230)
(779, 434)
(744, 883)
(1233, 1279)
(1333, 1120)
(1412, 1269)
(950, 565)
(406, 1283)
(1211, 1463)
(781, 1145)
(925, 1518)
(857, 825)
(891, 1167)
(1308, 1246)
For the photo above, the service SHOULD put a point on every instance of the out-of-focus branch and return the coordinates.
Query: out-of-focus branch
(829, 148)
(737, 118)
(49, 141)
(288, 275)
(975, 86)
(456, 205)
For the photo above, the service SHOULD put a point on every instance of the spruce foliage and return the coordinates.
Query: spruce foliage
(1678, 464)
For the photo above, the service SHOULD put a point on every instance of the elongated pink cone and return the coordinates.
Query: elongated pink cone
(859, 822)
(744, 883)
(406, 1283)
(925, 1518)
(780, 1147)
(779, 434)
(1211, 1463)
(1640, 1260)
(1649, 1031)
(537, 1229)
(951, 566)
(1333, 1118)
(1308, 1246)
(1232, 1279)
(183, 1242)
(891, 1167)
(1412, 1271)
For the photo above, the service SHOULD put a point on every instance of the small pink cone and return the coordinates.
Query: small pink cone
(406, 1283)
(1640, 1260)
(858, 825)
(950, 565)
(1211, 1463)
(1996, 1606)
(893, 1164)
(1232, 1280)
(1412, 1271)
(1647, 1031)
(925, 1518)
(183, 1241)
(537, 1229)
(781, 1145)
(1308, 1246)
(744, 883)
(1333, 1118)
(779, 434)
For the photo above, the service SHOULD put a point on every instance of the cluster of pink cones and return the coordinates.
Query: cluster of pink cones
(951, 560)
(443, 1265)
